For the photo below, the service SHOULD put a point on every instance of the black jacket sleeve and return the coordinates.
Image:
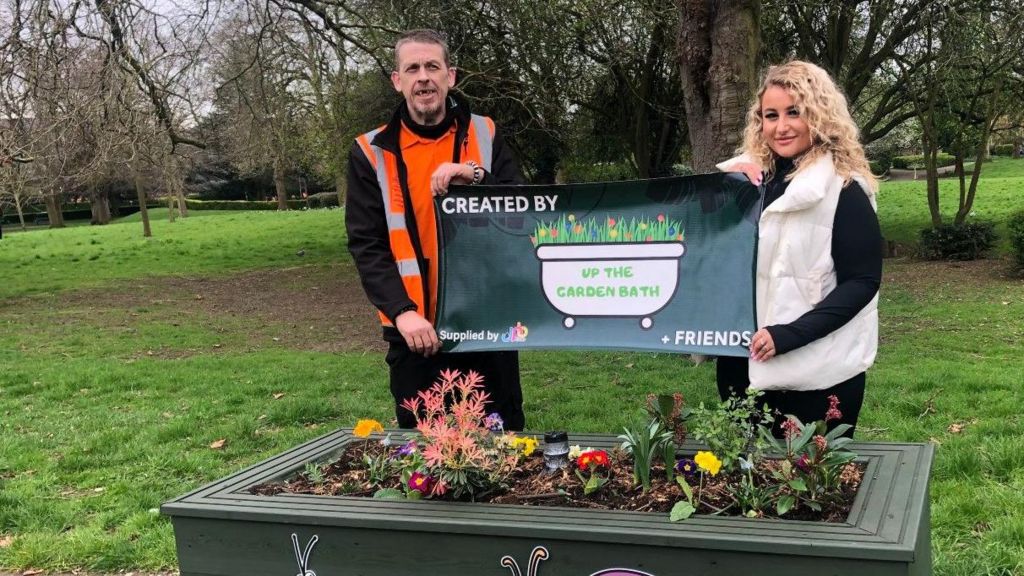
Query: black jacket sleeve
(857, 254)
(504, 169)
(368, 237)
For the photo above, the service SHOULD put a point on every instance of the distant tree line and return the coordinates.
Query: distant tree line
(260, 99)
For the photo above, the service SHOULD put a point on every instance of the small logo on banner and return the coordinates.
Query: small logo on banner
(515, 333)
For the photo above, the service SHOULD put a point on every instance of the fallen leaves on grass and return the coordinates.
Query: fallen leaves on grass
(278, 395)
(958, 427)
(6, 541)
(218, 444)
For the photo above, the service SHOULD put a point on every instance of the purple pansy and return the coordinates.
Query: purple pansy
(493, 422)
(686, 467)
(406, 449)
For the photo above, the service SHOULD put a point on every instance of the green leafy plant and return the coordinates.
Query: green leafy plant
(750, 494)
(815, 460)
(734, 427)
(314, 473)
(670, 412)
(644, 441)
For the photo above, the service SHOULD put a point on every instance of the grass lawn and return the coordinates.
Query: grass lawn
(126, 361)
(903, 205)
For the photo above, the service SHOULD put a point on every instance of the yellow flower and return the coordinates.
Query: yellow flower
(575, 451)
(527, 444)
(708, 462)
(366, 427)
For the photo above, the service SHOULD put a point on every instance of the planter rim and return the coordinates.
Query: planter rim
(667, 249)
(897, 476)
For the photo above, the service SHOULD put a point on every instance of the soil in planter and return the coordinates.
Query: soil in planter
(532, 485)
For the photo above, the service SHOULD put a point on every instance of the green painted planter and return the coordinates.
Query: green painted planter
(221, 529)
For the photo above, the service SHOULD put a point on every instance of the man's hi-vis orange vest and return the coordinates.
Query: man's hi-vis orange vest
(477, 147)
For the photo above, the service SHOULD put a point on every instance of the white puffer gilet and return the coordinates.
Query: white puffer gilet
(795, 271)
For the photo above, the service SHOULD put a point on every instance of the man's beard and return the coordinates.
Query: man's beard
(431, 115)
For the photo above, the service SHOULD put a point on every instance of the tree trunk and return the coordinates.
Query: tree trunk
(140, 192)
(53, 210)
(21, 211)
(182, 206)
(99, 202)
(170, 207)
(341, 186)
(718, 47)
(991, 113)
(279, 186)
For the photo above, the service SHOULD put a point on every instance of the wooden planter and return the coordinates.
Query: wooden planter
(221, 529)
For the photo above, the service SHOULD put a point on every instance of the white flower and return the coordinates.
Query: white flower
(746, 464)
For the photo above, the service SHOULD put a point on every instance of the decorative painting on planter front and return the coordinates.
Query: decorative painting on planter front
(652, 265)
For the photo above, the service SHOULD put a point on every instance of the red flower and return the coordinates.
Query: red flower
(584, 460)
(821, 443)
(593, 458)
(790, 428)
(421, 483)
(833, 409)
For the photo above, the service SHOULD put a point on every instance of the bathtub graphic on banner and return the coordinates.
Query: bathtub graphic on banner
(659, 265)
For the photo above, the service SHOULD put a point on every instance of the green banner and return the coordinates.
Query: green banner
(657, 265)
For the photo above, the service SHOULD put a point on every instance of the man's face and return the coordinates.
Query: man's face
(424, 79)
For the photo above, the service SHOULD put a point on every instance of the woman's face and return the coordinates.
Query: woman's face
(781, 125)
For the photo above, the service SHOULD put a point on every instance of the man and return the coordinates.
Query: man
(394, 172)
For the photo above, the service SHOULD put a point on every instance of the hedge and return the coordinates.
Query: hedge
(968, 241)
(11, 217)
(241, 204)
(1002, 150)
(917, 161)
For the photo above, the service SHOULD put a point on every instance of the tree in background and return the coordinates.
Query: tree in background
(718, 49)
(972, 57)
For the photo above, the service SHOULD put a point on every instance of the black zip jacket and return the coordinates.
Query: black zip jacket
(368, 238)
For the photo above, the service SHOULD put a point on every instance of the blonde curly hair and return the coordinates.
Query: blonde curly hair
(823, 107)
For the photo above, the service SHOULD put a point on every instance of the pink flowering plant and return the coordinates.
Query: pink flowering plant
(460, 454)
(814, 460)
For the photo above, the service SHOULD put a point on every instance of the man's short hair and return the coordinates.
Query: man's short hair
(422, 36)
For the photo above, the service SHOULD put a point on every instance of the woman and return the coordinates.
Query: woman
(819, 260)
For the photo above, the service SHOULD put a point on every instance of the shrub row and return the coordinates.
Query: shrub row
(241, 204)
(917, 161)
(39, 216)
(968, 241)
(1002, 150)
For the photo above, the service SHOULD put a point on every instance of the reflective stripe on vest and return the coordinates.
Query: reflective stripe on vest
(385, 166)
(484, 140)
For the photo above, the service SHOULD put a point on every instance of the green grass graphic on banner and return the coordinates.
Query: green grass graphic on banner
(658, 265)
